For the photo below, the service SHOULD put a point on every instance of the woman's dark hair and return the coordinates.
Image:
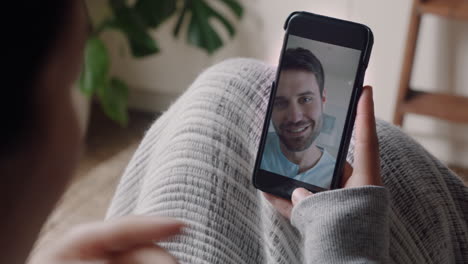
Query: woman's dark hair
(32, 27)
(303, 59)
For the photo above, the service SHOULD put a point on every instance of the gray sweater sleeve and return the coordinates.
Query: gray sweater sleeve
(347, 225)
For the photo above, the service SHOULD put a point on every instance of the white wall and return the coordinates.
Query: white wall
(441, 63)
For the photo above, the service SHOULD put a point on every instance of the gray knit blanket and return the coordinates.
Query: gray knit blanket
(196, 163)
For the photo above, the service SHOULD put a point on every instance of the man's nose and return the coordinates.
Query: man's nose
(294, 113)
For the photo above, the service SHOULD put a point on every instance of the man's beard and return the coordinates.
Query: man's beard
(302, 142)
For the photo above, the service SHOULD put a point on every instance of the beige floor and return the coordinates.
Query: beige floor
(109, 148)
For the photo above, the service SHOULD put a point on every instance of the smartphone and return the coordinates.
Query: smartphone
(312, 105)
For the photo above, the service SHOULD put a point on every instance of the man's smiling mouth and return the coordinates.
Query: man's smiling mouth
(297, 130)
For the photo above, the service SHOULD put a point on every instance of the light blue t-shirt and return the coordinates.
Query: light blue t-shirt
(274, 160)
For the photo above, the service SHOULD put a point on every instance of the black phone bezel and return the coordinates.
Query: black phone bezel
(333, 31)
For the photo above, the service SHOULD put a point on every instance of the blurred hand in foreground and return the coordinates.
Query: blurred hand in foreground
(128, 239)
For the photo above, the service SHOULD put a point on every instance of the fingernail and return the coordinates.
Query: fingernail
(300, 194)
(367, 88)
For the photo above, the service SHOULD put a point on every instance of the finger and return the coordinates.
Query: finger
(283, 206)
(347, 172)
(104, 238)
(299, 194)
(366, 148)
(145, 255)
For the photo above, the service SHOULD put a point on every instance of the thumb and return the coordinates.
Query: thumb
(298, 195)
(366, 148)
(104, 238)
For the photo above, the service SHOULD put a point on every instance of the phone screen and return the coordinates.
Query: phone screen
(309, 110)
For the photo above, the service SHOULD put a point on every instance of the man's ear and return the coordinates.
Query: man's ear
(324, 96)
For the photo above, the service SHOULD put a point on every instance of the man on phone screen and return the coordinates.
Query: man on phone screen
(297, 118)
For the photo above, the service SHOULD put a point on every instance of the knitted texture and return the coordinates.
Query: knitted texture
(196, 164)
(352, 228)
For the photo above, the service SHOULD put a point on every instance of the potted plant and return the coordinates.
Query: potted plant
(135, 20)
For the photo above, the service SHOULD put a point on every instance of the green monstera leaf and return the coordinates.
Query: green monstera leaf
(155, 12)
(235, 7)
(114, 100)
(95, 68)
(135, 19)
(128, 20)
(200, 31)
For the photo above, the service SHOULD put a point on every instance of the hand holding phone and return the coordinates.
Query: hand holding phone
(312, 106)
(366, 158)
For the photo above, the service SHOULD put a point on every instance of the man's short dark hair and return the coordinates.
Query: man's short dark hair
(303, 59)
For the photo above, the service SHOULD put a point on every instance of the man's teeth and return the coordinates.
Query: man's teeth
(297, 130)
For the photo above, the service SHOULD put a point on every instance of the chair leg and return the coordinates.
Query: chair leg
(398, 118)
(408, 61)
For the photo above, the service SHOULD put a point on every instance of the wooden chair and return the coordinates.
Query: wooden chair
(440, 105)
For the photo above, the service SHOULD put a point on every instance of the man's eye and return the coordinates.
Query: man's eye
(303, 100)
